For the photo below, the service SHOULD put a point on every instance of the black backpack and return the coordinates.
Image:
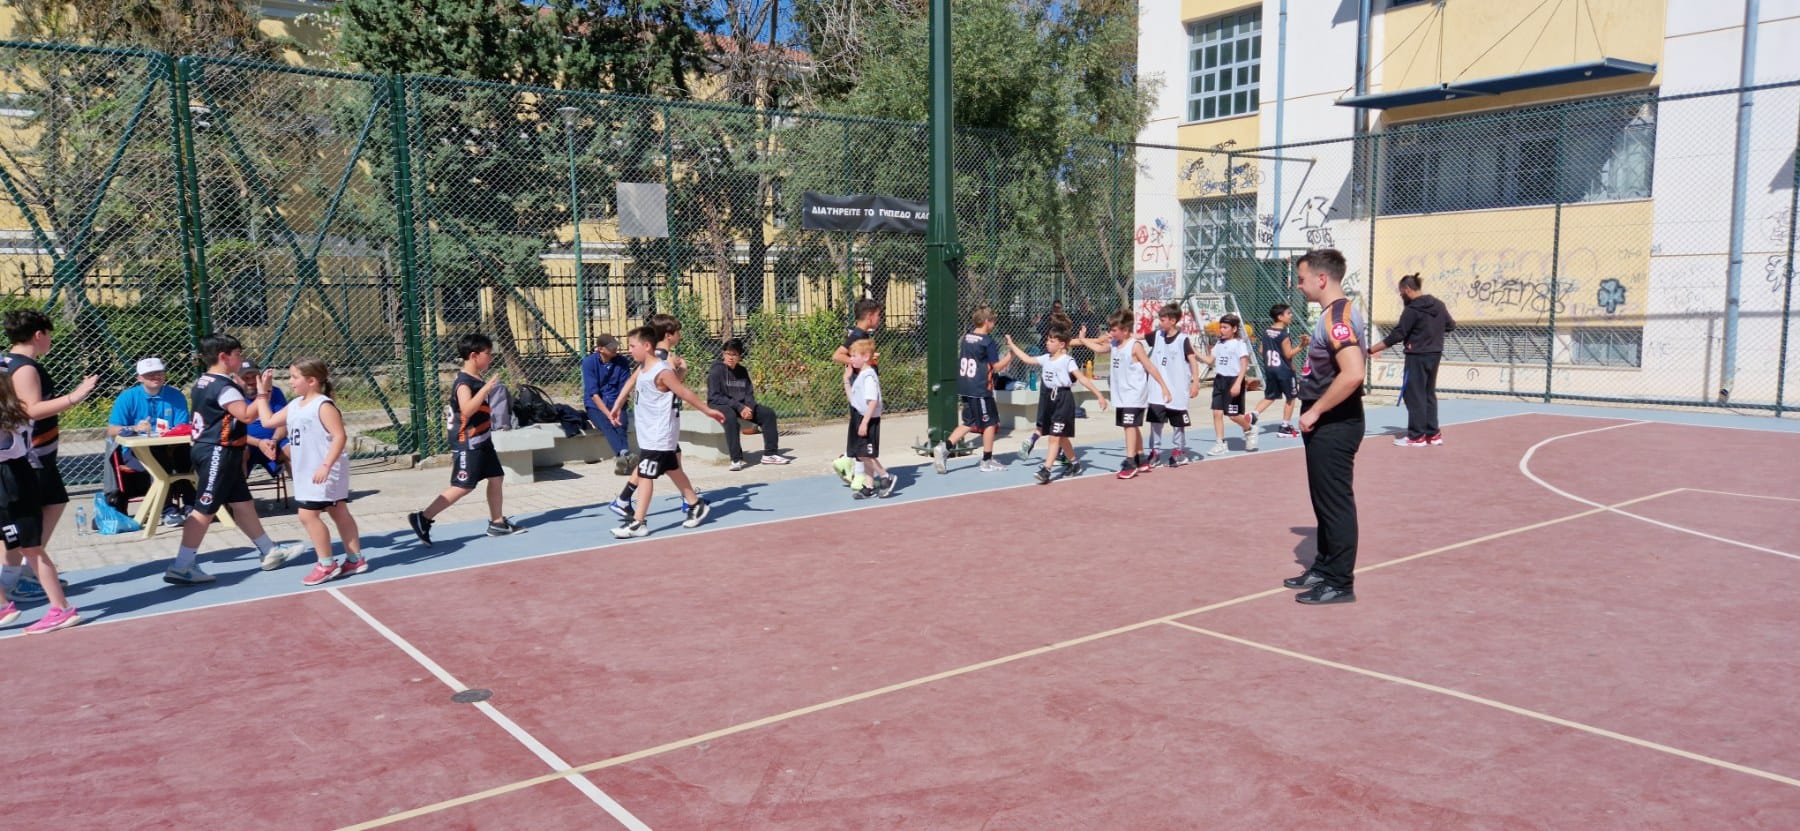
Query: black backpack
(531, 405)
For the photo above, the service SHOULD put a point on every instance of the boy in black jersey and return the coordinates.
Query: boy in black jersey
(1279, 381)
(28, 332)
(472, 453)
(978, 358)
(221, 417)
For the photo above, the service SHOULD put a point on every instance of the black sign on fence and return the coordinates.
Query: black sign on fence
(865, 212)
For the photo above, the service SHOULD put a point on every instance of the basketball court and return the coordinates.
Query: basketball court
(1570, 618)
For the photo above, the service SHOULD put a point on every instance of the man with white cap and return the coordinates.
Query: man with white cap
(152, 407)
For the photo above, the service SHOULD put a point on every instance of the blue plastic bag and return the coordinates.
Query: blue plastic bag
(109, 520)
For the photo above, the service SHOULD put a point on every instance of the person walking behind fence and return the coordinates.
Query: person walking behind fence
(1422, 327)
(21, 517)
(1331, 425)
(472, 456)
(28, 330)
(220, 419)
(316, 441)
(603, 374)
(729, 390)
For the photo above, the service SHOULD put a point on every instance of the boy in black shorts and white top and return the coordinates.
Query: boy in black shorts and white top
(1056, 400)
(472, 457)
(1230, 360)
(868, 478)
(978, 358)
(221, 415)
(1173, 353)
(658, 427)
(1279, 381)
(1129, 376)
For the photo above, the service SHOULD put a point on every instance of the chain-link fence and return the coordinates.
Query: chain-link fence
(372, 221)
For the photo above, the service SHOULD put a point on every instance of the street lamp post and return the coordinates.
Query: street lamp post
(581, 297)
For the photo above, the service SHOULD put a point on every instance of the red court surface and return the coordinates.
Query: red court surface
(1096, 654)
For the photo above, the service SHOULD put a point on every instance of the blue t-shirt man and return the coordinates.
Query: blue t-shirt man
(151, 405)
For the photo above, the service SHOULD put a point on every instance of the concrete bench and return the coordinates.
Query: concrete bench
(524, 449)
(702, 439)
(1018, 407)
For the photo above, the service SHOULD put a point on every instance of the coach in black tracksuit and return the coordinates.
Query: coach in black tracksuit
(1422, 326)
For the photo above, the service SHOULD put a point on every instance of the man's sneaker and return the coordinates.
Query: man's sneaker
(192, 576)
(1306, 580)
(1217, 449)
(1043, 476)
(1407, 442)
(940, 458)
(1250, 439)
(991, 466)
(844, 465)
(171, 517)
(53, 620)
(697, 514)
(28, 589)
(1322, 595)
(279, 555)
(738, 465)
(421, 526)
(1435, 440)
(634, 528)
(352, 566)
(885, 485)
(864, 492)
(772, 459)
(321, 573)
(503, 527)
(8, 614)
(1026, 446)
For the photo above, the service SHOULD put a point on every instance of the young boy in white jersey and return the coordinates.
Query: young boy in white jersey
(1130, 377)
(868, 478)
(1172, 351)
(1230, 360)
(668, 336)
(658, 428)
(316, 443)
(1279, 381)
(1056, 400)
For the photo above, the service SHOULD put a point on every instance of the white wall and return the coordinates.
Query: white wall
(1162, 56)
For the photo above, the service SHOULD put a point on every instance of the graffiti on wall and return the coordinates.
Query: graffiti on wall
(1210, 176)
(1153, 243)
(1150, 290)
(1520, 284)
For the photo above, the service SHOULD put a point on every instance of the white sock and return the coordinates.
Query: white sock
(858, 470)
(184, 558)
(263, 543)
(9, 576)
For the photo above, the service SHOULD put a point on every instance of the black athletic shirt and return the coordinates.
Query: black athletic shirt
(213, 423)
(474, 432)
(1339, 328)
(976, 356)
(1275, 360)
(43, 430)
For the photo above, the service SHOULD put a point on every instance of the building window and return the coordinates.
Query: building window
(1224, 66)
(597, 282)
(1590, 151)
(1497, 345)
(1212, 230)
(1609, 347)
(640, 298)
(462, 303)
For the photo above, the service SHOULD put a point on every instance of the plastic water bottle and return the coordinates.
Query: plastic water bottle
(81, 520)
(1033, 380)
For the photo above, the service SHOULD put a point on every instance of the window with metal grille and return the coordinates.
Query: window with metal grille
(597, 281)
(1211, 231)
(1590, 151)
(1497, 344)
(1609, 347)
(462, 303)
(1224, 66)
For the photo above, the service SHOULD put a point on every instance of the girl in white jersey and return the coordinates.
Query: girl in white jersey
(1230, 360)
(1056, 402)
(1130, 379)
(316, 441)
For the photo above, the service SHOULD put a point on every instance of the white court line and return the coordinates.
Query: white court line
(1742, 495)
(1525, 468)
(1627, 412)
(1498, 705)
(549, 757)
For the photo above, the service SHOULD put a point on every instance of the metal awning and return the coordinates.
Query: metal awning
(1603, 68)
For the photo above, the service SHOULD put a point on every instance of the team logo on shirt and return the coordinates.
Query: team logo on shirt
(1340, 331)
(206, 499)
(462, 476)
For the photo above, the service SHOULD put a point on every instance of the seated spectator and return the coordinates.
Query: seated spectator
(603, 376)
(729, 391)
(151, 408)
(258, 433)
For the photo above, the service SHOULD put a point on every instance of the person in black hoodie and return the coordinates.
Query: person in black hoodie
(728, 390)
(1422, 326)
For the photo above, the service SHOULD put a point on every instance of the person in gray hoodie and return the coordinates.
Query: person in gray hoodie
(729, 391)
(1422, 327)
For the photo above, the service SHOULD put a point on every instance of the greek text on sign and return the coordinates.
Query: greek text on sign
(862, 212)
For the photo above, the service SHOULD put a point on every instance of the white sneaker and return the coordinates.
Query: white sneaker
(192, 576)
(991, 466)
(940, 458)
(1218, 449)
(739, 465)
(1250, 440)
(280, 554)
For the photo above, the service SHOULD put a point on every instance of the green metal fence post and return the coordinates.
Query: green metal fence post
(186, 71)
(851, 295)
(581, 310)
(669, 188)
(1121, 234)
(409, 288)
(1555, 273)
(943, 251)
(1787, 291)
(180, 150)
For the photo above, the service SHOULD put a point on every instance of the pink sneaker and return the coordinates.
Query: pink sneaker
(322, 572)
(356, 566)
(53, 620)
(8, 614)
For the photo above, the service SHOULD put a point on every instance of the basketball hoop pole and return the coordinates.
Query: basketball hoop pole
(943, 251)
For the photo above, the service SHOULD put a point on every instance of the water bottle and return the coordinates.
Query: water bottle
(1033, 380)
(81, 520)
(155, 410)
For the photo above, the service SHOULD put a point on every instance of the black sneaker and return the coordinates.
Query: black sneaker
(885, 485)
(696, 514)
(864, 492)
(1043, 476)
(1322, 594)
(421, 527)
(503, 528)
(1074, 468)
(1306, 580)
(634, 528)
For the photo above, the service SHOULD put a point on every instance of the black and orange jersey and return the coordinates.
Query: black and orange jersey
(1339, 327)
(44, 431)
(210, 403)
(473, 431)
